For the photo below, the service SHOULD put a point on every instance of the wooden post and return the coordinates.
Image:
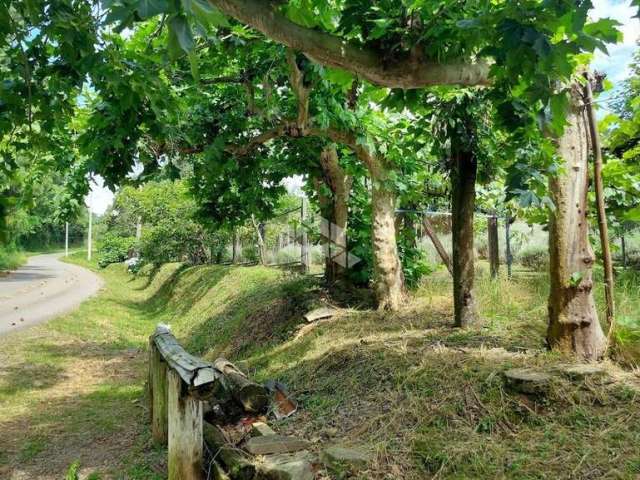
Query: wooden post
(158, 394)
(600, 204)
(623, 245)
(139, 228)
(507, 229)
(494, 250)
(66, 239)
(185, 432)
(304, 244)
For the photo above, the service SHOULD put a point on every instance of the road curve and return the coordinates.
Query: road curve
(42, 289)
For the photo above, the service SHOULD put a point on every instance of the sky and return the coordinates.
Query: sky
(615, 65)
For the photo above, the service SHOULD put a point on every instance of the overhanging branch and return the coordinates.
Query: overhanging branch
(333, 51)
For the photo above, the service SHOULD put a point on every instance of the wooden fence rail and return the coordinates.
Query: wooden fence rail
(179, 386)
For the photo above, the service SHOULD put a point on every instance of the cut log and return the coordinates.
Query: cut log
(252, 396)
(238, 466)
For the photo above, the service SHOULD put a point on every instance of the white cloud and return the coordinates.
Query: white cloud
(100, 197)
(616, 64)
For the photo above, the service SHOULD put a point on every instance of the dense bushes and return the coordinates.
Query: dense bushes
(172, 241)
(535, 257)
(114, 249)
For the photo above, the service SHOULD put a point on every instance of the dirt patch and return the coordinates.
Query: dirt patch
(88, 412)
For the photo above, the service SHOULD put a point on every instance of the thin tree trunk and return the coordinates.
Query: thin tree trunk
(259, 227)
(494, 246)
(573, 320)
(388, 279)
(602, 214)
(235, 256)
(463, 196)
(428, 228)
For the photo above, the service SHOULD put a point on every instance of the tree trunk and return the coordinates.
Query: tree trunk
(493, 246)
(335, 211)
(388, 279)
(573, 320)
(260, 232)
(235, 257)
(463, 195)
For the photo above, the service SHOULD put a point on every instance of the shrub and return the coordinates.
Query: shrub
(114, 249)
(535, 257)
(172, 241)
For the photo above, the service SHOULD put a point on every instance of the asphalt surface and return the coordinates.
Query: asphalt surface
(42, 289)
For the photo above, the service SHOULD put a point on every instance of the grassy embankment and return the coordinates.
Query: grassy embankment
(427, 399)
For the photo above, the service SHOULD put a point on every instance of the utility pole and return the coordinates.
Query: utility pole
(66, 239)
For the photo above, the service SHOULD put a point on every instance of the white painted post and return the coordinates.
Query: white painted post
(139, 228)
(66, 239)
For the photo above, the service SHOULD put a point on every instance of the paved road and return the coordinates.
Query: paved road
(42, 289)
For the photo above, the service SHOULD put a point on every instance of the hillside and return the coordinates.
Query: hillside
(428, 400)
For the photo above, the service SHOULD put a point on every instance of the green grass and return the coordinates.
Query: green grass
(427, 399)
(11, 258)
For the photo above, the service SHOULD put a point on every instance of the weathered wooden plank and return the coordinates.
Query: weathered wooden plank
(185, 432)
(194, 371)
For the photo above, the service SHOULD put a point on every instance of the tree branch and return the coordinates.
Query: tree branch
(333, 51)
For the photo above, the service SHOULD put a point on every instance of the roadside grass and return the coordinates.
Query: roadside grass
(427, 399)
(11, 258)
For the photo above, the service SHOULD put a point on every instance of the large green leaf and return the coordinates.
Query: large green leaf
(151, 8)
(205, 13)
(180, 36)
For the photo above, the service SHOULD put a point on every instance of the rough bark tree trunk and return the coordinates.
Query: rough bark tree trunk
(463, 194)
(336, 212)
(493, 246)
(573, 319)
(388, 279)
(236, 247)
(260, 231)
